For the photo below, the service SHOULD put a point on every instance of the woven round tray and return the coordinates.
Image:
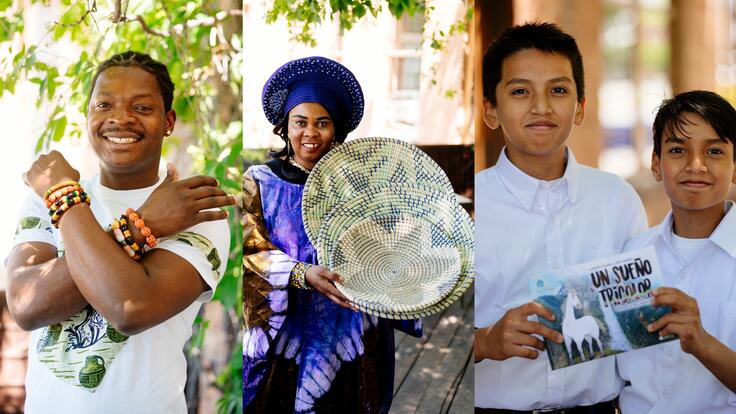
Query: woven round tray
(420, 201)
(396, 264)
(381, 205)
(465, 242)
(359, 164)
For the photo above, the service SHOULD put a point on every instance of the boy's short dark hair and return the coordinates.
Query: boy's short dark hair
(145, 62)
(546, 37)
(715, 110)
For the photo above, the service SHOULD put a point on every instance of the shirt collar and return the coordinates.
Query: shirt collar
(524, 187)
(723, 236)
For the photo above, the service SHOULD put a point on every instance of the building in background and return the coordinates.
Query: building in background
(413, 92)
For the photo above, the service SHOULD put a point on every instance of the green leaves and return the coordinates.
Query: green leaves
(303, 16)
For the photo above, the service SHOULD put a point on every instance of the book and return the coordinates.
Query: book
(601, 307)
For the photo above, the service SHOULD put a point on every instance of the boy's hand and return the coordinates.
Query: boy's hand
(684, 320)
(323, 281)
(49, 169)
(512, 334)
(177, 205)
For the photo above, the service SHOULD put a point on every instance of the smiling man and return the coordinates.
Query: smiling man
(112, 309)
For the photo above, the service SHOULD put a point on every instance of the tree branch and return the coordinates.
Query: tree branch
(144, 26)
(89, 11)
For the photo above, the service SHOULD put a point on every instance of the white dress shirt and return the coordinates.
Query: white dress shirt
(664, 379)
(524, 227)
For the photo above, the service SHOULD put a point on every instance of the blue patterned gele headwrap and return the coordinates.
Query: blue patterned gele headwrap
(314, 79)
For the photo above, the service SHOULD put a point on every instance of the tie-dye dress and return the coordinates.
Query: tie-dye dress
(303, 353)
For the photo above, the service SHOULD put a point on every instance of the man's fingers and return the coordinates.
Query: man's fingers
(171, 174)
(522, 352)
(199, 193)
(531, 327)
(212, 215)
(668, 319)
(680, 303)
(528, 340)
(199, 181)
(214, 202)
(533, 308)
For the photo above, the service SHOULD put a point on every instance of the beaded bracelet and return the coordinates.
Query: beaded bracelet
(55, 195)
(59, 186)
(64, 204)
(129, 241)
(298, 276)
(125, 239)
(141, 225)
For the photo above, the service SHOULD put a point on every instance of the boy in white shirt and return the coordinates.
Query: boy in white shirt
(538, 209)
(694, 136)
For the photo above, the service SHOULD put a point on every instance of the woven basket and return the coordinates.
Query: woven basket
(383, 215)
(424, 202)
(362, 163)
(462, 238)
(395, 264)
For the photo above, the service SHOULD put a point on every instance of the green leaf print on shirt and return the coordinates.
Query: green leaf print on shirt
(30, 223)
(81, 349)
(204, 245)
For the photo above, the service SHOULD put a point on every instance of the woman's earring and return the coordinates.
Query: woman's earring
(288, 148)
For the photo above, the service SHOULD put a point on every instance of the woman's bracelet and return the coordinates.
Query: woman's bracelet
(298, 276)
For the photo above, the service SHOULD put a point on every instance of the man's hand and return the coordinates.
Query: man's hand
(177, 205)
(322, 280)
(684, 321)
(512, 334)
(49, 169)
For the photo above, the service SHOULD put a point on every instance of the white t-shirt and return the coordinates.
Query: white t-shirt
(664, 379)
(144, 373)
(524, 227)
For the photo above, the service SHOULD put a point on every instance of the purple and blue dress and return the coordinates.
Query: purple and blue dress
(302, 353)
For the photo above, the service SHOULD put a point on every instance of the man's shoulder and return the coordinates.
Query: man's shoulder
(598, 183)
(487, 179)
(596, 177)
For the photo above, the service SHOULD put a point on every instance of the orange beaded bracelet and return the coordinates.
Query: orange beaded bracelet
(141, 225)
(58, 186)
(59, 192)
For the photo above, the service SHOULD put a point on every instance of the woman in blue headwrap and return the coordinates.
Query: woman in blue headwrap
(304, 348)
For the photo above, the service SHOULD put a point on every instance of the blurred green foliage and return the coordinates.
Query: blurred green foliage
(201, 43)
(303, 15)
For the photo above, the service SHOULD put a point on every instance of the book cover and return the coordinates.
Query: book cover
(602, 307)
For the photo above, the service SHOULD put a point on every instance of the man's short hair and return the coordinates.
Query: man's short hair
(145, 62)
(546, 37)
(715, 110)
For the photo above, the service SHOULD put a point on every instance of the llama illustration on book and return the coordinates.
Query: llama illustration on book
(576, 330)
(606, 304)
